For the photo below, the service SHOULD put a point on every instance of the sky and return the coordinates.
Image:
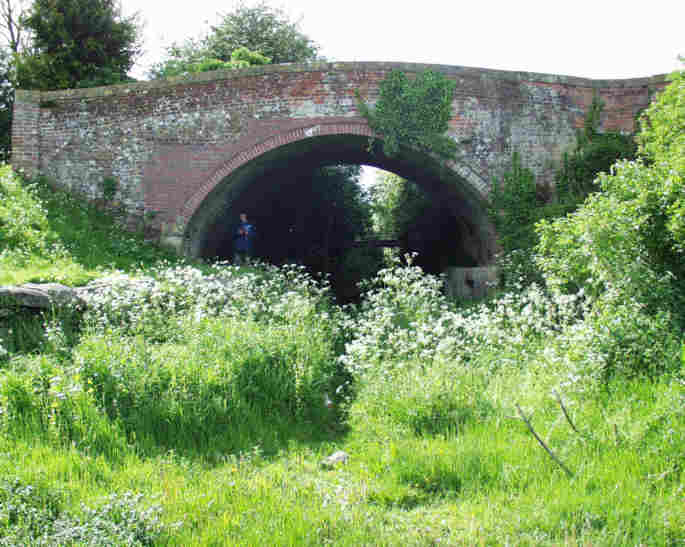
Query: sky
(594, 39)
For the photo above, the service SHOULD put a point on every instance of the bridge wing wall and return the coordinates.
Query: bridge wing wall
(165, 141)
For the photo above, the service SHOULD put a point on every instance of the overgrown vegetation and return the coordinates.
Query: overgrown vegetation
(414, 112)
(626, 242)
(48, 235)
(194, 405)
(517, 203)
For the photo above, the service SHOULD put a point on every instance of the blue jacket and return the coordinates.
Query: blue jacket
(244, 236)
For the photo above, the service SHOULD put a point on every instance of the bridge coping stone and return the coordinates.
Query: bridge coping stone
(449, 70)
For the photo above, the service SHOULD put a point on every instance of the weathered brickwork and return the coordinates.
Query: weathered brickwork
(169, 144)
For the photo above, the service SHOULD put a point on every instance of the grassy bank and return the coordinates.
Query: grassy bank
(194, 407)
(47, 235)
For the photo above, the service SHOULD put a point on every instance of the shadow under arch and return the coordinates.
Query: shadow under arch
(238, 184)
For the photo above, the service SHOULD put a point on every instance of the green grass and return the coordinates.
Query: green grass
(178, 415)
(47, 235)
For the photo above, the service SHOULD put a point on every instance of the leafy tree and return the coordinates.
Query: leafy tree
(78, 43)
(396, 203)
(256, 34)
(264, 29)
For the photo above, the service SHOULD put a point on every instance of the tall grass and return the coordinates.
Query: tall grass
(193, 406)
(49, 235)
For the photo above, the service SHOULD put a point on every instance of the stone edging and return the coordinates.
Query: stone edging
(38, 297)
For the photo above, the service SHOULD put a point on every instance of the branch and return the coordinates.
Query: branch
(563, 409)
(551, 454)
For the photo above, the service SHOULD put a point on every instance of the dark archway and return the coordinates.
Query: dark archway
(460, 216)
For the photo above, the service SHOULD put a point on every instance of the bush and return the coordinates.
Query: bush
(593, 153)
(628, 236)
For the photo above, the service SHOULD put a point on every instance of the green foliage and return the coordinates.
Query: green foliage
(628, 238)
(514, 209)
(77, 43)
(515, 206)
(48, 235)
(593, 153)
(413, 112)
(216, 393)
(240, 58)
(397, 204)
(263, 29)
(247, 36)
(24, 226)
(516, 203)
(662, 135)
(662, 143)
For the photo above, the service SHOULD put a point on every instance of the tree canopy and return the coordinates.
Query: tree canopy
(77, 43)
(264, 29)
(267, 33)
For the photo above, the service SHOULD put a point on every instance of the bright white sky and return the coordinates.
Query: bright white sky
(590, 38)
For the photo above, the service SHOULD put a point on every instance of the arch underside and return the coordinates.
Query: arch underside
(244, 189)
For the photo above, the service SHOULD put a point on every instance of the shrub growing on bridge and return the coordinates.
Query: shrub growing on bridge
(413, 112)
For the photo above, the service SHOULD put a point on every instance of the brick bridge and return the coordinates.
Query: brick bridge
(187, 153)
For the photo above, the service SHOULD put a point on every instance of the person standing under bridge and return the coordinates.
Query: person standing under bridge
(243, 240)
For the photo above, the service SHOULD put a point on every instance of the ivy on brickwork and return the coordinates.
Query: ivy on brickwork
(413, 113)
(595, 151)
(517, 204)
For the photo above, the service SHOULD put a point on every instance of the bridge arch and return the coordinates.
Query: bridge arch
(235, 186)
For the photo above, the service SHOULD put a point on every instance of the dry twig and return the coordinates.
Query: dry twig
(542, 443)
(563, 409)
